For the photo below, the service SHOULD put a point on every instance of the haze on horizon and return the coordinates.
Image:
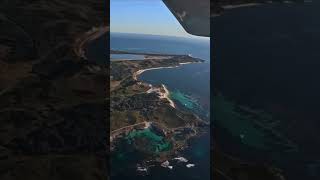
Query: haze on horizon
(145, 17)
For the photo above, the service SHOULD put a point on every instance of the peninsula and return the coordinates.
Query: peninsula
(136, 106)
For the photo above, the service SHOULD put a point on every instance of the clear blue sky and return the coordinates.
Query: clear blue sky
(144, 17)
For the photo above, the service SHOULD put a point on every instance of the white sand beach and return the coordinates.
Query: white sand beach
(137, 73)
(166, 96)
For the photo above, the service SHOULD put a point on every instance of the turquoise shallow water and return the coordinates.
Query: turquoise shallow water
(155, 143)
(189, 103)
(183, 99)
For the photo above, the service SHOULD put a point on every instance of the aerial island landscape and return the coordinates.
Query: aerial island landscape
(144, 113)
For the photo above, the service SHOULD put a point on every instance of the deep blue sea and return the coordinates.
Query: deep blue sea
(126, 56)
(191, 81)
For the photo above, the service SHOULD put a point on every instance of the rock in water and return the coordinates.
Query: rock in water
(190, 165)
(181, 159)
(165, 164)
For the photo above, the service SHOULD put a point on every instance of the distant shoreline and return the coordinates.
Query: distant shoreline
(137, 73)
(81, 43)
(167, 92)
(227, 7)
(140, 53)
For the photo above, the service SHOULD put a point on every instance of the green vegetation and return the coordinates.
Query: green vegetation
(129, 97)
(131, 104)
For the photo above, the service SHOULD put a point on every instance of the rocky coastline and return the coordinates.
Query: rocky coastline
(168, 128)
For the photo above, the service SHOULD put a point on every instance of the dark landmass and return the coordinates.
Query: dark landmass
(136, 105)
(219, 6)
(52, 100)
(226, 167)
(240, 132)
(269, 64)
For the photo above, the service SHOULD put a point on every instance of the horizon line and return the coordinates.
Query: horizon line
(189, 36)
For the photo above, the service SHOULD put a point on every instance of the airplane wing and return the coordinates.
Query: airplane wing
(193, 15)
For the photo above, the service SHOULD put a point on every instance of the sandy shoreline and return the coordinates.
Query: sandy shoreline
(186, 63)
(137, 73)
(166, 94)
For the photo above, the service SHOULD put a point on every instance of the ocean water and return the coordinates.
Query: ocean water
(190, 89)
(160, 44)
(126, 57)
